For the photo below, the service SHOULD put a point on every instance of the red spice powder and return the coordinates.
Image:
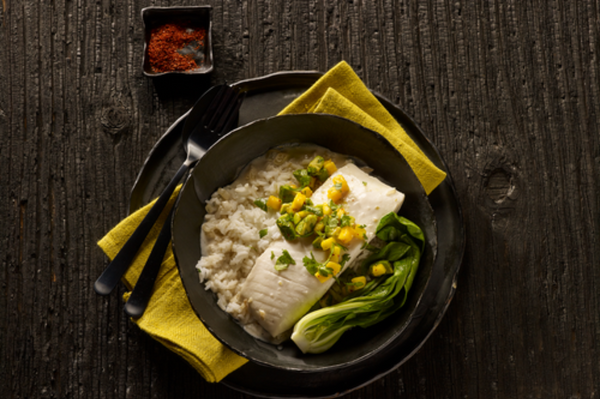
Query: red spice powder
(167, 39)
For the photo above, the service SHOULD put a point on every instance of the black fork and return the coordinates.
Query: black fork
(218, 119)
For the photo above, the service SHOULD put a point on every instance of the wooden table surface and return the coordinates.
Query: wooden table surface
(509, 91)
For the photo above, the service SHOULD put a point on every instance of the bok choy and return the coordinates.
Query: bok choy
(318, 330)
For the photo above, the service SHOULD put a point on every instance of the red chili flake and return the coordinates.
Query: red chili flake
(166, 40)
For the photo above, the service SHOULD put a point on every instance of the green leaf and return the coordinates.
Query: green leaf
(317, 210)
(346, 220)
(345, 258)
(311, 264)
(369, 247)
(392, 226)
(334, 207)
(263, 233)
(284, 261)
(261, 203)
(331, 223)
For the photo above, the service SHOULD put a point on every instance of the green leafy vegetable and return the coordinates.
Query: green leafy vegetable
(263, 233)
(284, 261)
(318, 330)
(369, 247)
(392, 226)
(261, 203)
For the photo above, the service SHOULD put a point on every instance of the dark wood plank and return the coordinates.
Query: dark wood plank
(509, 91)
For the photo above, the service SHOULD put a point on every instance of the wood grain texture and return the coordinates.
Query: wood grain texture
(509, 91)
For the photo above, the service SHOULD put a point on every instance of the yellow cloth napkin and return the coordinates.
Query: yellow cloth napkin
(169, 317)
(341, 92)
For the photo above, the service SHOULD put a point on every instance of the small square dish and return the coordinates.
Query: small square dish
(177, 40)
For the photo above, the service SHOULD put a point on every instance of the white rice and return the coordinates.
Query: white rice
(230, 234)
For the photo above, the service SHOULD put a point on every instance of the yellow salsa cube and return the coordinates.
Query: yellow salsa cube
(378, 270)
(346, 235)
(307, 191)
(360, 282)
(330, 167)
(339, 179)
(334, 194)
(274, 203)
(298, 202)
(335, 268)
(328, 243)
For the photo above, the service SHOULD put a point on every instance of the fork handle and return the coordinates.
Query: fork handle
(137, 302)
(111, 276)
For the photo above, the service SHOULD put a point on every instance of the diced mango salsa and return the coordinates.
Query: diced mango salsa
(334, 194)
(326, 210)
(307, 191)
(346, 235)
(330, 166)
(298, 202)
(358, 283)
(303, 214)
(274, 203)
(335, 268)
(339, 189)
(339, 179)
(378, 270)
(328, 243)
(319, 227)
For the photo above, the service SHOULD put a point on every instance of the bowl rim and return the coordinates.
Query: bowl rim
(328, 368)
(165, 10)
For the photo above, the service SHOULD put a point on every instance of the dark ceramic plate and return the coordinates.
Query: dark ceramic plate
(220, 166)
(266, 96)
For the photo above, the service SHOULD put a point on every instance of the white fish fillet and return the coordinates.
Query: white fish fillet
(278, 299)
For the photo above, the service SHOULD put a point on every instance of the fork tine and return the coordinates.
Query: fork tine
(229, 125)
(228, 113)
(220, 105)
(214, 104)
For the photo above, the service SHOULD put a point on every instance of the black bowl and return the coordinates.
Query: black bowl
(221, 165)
